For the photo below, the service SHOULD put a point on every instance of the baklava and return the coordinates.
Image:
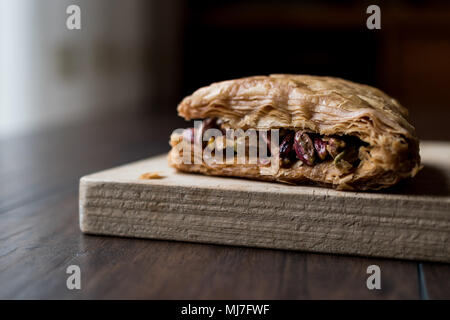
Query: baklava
(330, 132)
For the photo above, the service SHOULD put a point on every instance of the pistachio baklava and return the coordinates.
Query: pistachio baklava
(320, 130)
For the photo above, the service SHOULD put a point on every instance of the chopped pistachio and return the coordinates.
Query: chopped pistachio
(304, 148)
(339, 157)
(341, 161)
(335, 145)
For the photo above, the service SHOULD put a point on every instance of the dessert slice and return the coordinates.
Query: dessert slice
(297, 129)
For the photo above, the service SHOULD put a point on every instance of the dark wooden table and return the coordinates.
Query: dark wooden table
(40, 236)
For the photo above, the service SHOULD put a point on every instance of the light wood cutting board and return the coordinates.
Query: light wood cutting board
(409, 221)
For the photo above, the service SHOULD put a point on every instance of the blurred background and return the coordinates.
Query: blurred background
(140, 57)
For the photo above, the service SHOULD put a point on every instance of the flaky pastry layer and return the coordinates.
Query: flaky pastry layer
(322, 105)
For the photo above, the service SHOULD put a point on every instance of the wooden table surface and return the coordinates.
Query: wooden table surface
(40, 235)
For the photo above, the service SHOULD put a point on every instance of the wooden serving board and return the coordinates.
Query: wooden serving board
(408, 221)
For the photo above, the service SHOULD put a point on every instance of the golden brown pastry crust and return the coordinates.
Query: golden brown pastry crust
(325, 105)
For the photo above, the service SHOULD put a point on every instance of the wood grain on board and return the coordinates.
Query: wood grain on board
(411, 221)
